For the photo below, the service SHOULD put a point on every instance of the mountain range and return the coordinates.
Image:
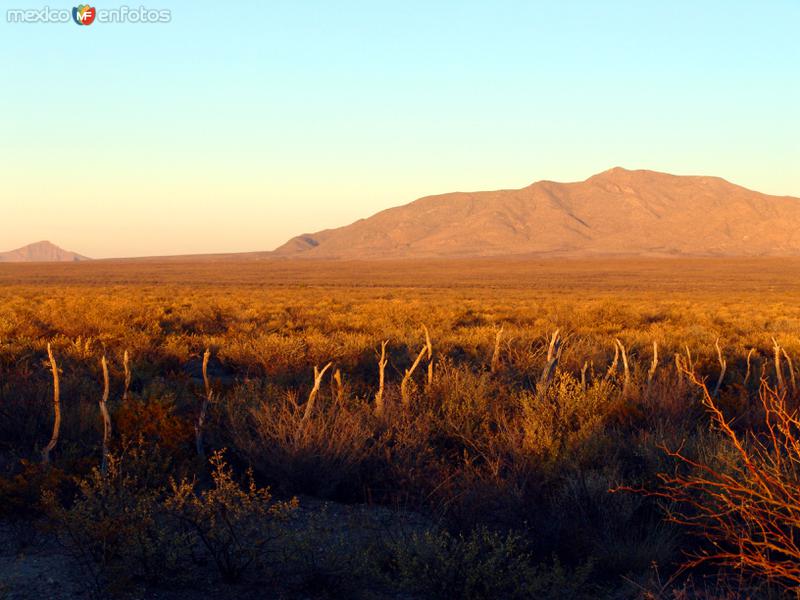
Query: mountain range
(616, 212)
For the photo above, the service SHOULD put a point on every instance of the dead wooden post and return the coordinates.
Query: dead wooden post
(381, 370)
(56, 409)
(553, 353)
(778, 371)
(338, 385)
(312, 396)
(126, 363)
(105, 415)
(747, 375)
(495, 363)
(789, 363)
(429, 349)
(583, 374)
(613, 368)
(653, 365)
(689, 360)
(679, 368)
(407, 377)
(626, 370)
(201, 417)
(723, 365)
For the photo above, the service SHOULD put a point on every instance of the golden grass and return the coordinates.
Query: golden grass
(547, 381)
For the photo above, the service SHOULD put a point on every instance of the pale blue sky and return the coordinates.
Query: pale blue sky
(239, 125)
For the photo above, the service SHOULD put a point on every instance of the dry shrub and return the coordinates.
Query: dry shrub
(323, 454)
(480, 565)
(127, 526)
(21, 497)
(745, 501)
(442, 451)
(328, 551)
(563, 415)
(620, 532)
(460, 398)
(21, 492)
(156, 421)
(230, 522)
(117, 530)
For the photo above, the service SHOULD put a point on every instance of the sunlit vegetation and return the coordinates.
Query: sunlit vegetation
(542, 433)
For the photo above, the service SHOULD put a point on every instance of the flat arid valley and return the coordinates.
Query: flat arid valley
(448, 301)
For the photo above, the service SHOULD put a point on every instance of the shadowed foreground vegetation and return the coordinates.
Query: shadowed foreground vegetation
(525, 443)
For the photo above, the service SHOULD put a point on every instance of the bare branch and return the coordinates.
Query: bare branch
(106, 417)
(679, 367)
(312, 396)
(338, 385)
(126, 363)
(201, 417)
(747, 375)
(494, 365)
(553, 354)
(583, 374)
(429, 349)
(722, 366)
(56, 409)
(626, 370)
(404, 394)
(653, 365)
(689, 361)
(792, 379)
(613, 368)
(381, 368)
(778, 371)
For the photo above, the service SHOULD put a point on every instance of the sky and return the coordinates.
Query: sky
(236, 126)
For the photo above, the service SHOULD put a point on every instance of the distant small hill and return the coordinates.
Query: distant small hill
(616, 212)
(40, 252)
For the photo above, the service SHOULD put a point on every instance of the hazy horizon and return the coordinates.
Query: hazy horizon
(234, 130)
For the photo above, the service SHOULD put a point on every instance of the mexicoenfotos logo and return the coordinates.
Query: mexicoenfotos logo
(84, 14)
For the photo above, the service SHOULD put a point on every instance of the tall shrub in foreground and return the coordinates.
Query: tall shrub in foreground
(745, 503)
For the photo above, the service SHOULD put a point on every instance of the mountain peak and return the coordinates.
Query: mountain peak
(616, 212)
(622, 174)
(613, 172)
(42, 244)
(42, 251)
